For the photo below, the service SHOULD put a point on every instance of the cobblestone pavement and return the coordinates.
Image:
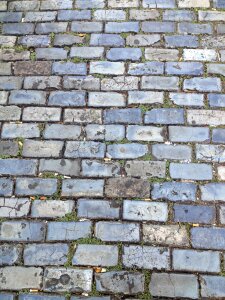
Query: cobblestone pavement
(112, 169)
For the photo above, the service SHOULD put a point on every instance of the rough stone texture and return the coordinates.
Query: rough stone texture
(112, 149)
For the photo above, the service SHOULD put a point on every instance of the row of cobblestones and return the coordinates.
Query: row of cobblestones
(112, 149)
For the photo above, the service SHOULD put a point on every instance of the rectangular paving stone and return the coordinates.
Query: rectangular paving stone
(183, 99)
(117, 54)
(106, 39)
(144, 14)
(34, 41)
(87, 27)
(117, 231)
(216, 100)
(22, 231)
(105, 132)
(120, 27)
(211, 153)
(82, 188)
(188, 134)
(164, 116)
(26, 278)
(120, 83)
(146, 257)
(33, 296)
(41, 114)
(143, 39)
(192, 171)
(14, 207)
(108, 68)
(33, 68)
(212, 286)
(174, 191)
(62, 132)
(6, 187)
(218, 135)
(159, 4)
(126, 151)
(61, 166)
(144, 211)
(40, 16)
(194, 214)
(196, 261)
(95, 255)
(9, 148)
(184, 68)
(161, 54)
(145, 169)
(25, 130)
(56, 4)
(72, 15)
(85, 149)
(27, 97)
(158, 27)
(45, 254)
(51, 208)
(171, 235)
(42, 82)
(94, 168)
(98, 209)
(64, 279)
(127, 188)
(208, 238)
(66, 231)
(18, 28)
(18, 167)
(81, 83)
(143, 97)
(122, 116)
(60, 68)
(107, 99)
(10, 255)
(35, 186)
(66, 98)
(79, 116)
(32, 148)
(11, 83)
(146, 68)
(213, 192)
(172, 152)
(55, 27)
(123, 3)
(180, 41)
(174, 285)
(159, 83)
(110, 15)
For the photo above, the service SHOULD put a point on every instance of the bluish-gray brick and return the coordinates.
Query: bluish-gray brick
(165, 116)
(208, 238)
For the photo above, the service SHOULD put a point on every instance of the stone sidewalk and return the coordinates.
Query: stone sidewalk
(112, 149)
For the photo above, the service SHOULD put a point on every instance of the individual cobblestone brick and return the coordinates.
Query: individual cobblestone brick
(192, 171)
(42, 82)
(10, 255)
(116, 54)
(6, 187)
(187, 28)
(72, 15)
(79, 116)
(212, 286)
(213, 192)
(213, 153)
(34, 41)
(33, 148)
(145, 169)
(121, 282)
(171, 152)
(24, 5)
(62, 166)
(205, 238)
(8, 113)
(165, 235)
(94, 168)
(164, 116)
(203, 84)
(178, 41)
(174, 191)
(62, 98)
(64, 279)
(85, 149)
(110, 15)
(18, 167)
(146, 68)
(14, 207)
(5, 68)
(33, 296)
(40, 16)
(8, 41)
(174, 285)
(51, 53)
(122, 116)
(41, 114)
(109, 68)
(143, 97)
(200, 54)
(97, 99)
(165, 27)
(123, 3)
(126, 151)
(55, 27)
(11, 83)
(143, 39)
(68, 39)
(12, 54)
(87, 27)
(188, 134)
(60, 68)
(120, 83)
(178, 15)
(35, 186)
(146, 257)
(45, 254)
(25, 130)
(7, 296)
(194, 214)
(183, 99)
(193, 3)
(18, 28)
(159, 4)
(66, 231)
(60, 131)
(144, 14)
(95, 255)
(196, 261)
(22, 231)
(82, 188)
(27, 97)
(3, 97)
(32, 68)
(107, 39)
(51, 208)
(81, 82)
(159, 83)
(105, 132)
(115, 27)
(218, 135)
(144, 211)
(127, 187)
(184, 68)
(56, 4)
(216, 100)
(26, 278)
(117, 231)
(98, 209)
(9, 148)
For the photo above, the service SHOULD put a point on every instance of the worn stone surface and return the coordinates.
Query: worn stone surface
(112, 154)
